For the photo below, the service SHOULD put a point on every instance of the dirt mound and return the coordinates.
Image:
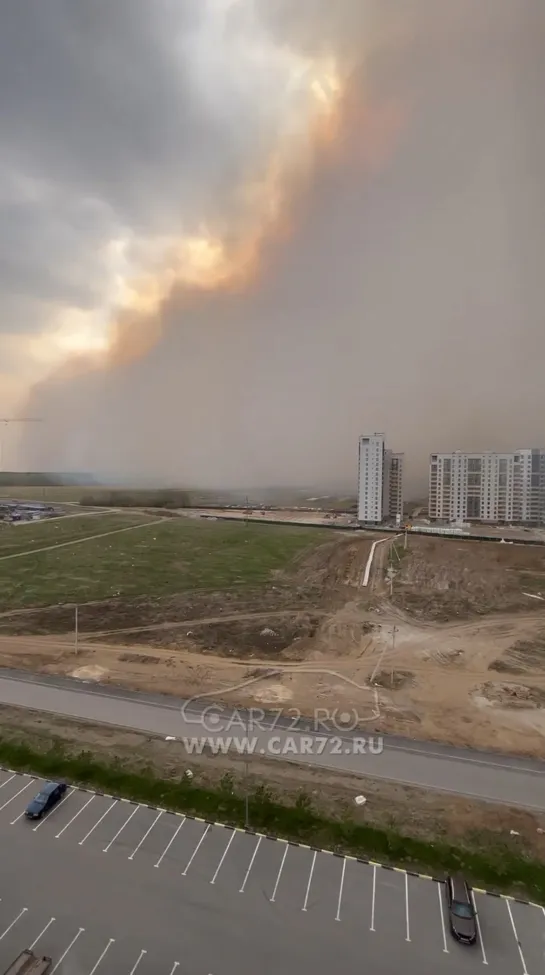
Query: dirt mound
(254, 638)
(394, 680)
(508, 695)
(524, 655)
(442, 580)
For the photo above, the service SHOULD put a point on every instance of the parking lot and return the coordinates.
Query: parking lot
(131, 854)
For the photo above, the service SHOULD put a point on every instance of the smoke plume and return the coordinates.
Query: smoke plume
(356, 246)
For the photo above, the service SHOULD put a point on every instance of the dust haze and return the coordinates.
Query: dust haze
(382, 258)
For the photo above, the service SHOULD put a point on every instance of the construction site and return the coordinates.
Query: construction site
(438, 639)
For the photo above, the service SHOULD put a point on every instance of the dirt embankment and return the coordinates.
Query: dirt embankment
(413, 812)
(445, 580)
(440, 659)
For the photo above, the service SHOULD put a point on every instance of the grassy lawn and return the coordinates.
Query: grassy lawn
(34, 535)
(171, 556)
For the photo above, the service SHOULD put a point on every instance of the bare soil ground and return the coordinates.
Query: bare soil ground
(415, 812)
(457, 653)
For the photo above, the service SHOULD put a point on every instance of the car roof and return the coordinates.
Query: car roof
(460, 888)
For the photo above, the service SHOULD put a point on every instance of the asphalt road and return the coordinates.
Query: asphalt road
(479, 775)
(109, 887)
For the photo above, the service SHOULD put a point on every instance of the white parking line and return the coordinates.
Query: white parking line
(13, 923)
(304, 907)
(17, 818)
(17, 794)
(440, 895)
(174, 967)
(145, 836)
(7, 780)
(483, 953)
(41, 934)
(107, 948)
(43, 820)
(225, 852)
(79, 812)
(408, 938)
(196, 850)
(338, 914)
(254, 854)
(70, 946)
(139, 959)
(511, 918)
(279, 873)
(87, 835)
(169, 844)
(121, 828)
(372, 928)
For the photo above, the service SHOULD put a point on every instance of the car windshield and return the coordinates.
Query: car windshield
(462, 910)
(41, 797)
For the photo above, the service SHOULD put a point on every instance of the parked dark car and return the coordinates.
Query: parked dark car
(462, 917)
(50, 795)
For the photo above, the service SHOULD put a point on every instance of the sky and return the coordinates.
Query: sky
(237, 234)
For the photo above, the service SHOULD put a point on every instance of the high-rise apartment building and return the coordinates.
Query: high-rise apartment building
(380, 480)
(489, 486)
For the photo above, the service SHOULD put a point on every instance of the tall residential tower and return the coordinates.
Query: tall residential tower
(380, 481)
(493, 487)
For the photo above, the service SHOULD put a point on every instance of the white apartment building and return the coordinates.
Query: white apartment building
(380, 480)
(488, 486)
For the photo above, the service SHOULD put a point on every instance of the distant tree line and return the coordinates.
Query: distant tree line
(40, 479)
(136, 499)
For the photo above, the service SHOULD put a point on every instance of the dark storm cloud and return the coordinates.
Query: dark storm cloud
(409, 297)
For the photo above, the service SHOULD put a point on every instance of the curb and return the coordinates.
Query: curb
(303, 846)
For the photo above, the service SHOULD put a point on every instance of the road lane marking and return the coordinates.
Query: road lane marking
(258, 844)
(17, 794)
(196, 850)
(481, 942)
(70, 821)
(41, 934)
(146, 834)
(136, 964)
(225, 852)
(440, 895)
(279, 873)
(511, 918)
(121, 828)
(170, 842)
(372, 928)
(408, 938)
(174, 967)
(107, 948)
(338, 914)
(13, 923)
(87, 835)
(7, 780)
(58, 806)
(304, 907)
(70, 946)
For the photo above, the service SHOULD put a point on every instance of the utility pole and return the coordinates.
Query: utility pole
(394, 631)
(7, 420)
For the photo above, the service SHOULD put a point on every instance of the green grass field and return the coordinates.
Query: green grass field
(39, 534)
(168, 557)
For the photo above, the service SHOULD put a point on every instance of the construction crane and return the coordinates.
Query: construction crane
(23, 419)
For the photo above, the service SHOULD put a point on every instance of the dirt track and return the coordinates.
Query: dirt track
(318, 640)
